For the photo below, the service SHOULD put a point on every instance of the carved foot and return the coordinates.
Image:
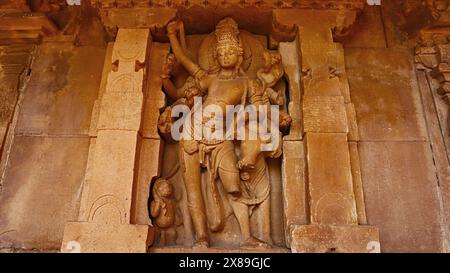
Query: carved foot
(252, 242)
(201, 243)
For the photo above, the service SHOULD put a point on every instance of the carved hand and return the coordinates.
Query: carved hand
(155, 208)
(173, 27)
(169, 65)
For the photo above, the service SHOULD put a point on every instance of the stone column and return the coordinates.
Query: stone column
(105, 216)
(334, 200)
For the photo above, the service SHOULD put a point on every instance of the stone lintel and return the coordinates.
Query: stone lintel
(219, 4)
(137, 17)
(337, 21)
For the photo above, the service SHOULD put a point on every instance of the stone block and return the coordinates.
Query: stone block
(340, 239)
(8, 96)
(61, 91)
(109, 192)
(357, 182)
(138, 17)
(294, 186)
(94, 118)
(401, 195)
(150, 156)
(324, 114)
(107, 66)
(318, 51)
(342, 74)
(321, 85)
(131, 46)
(368, 31)
(353, 133)
(41, 191)
(385, 94)
(84, 237)
(332, 200)
(125, 82)
(121, 111)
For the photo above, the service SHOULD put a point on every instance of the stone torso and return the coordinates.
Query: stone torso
(167, 215)
(224, 92)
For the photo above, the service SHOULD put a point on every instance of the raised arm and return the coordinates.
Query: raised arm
(167, 71)
(190, 66)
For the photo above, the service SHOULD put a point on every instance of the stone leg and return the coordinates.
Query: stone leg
(241, 212)
(261, 212)
(264, 221)
(196, 204)
(229, 176)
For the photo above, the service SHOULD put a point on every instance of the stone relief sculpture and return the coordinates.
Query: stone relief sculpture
(222, 173)
(162, 210)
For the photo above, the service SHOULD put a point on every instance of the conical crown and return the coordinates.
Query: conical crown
(227, 34)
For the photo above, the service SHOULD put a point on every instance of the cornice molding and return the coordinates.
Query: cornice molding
(270, 4)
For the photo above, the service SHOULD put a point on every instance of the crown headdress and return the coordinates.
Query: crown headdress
(227, 33)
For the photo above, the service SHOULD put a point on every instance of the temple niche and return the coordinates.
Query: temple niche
(223, 167)
(358, 160)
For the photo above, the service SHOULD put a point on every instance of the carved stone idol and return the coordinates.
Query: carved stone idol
(215, 177)
(162, 209)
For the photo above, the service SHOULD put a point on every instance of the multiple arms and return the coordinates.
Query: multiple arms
(189, 65)
(169, 87)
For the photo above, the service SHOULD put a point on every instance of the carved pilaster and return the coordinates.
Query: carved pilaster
(435, 61)
(105, 220)
(335, 212)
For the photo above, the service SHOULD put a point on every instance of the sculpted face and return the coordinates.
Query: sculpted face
(227, 56)
(165, 189)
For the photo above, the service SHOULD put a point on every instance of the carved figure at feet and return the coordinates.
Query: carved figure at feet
(162, 210)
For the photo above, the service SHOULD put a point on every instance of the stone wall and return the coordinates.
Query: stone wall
(401, 189)
(45, 139)
(45, 159)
